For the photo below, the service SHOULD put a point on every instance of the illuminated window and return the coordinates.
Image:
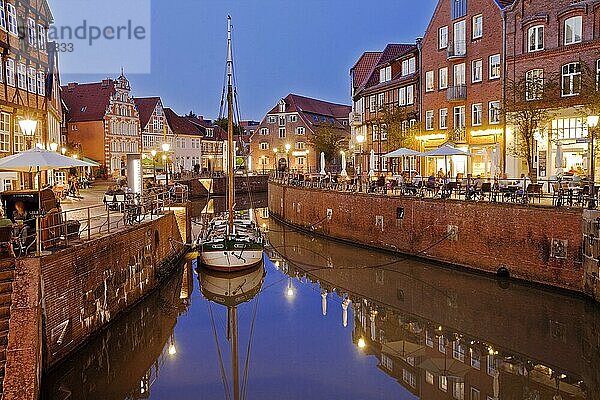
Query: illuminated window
(264, 146)
(571, 79)
(4, 132)
(534, 84)
(494, 112)
(429, 120)
(476, 114)
(443, 118)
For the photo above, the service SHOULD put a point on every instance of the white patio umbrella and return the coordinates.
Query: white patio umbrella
(344, 173)
(37, 160)
(402, 152)
(445, 151)
(372, 163)
(558, 160)
(322, 163)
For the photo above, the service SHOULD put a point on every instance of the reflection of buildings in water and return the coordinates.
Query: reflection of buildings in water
(125, 360)
(445, 334)
(216, 205)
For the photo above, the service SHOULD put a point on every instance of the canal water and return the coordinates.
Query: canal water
(325, 320)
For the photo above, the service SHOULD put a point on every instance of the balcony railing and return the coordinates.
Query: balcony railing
(457, 49)
(456, 93)
(356, 119)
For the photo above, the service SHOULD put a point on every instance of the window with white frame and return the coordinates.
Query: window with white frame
(380, 100)
(402, 96)
(271, 119)
(477, 71)
(22, 76)
(459, 117)
(573, 28)
(409, 66)
(443, 118)
(428, 377)
(41, 83)
(477, 26)
(475, 358)
(281, 133)
(375, 133)
(293, 118)
(597, 74)
(458, 390)
(443, 78)
(429, 83)
(535, 38)
(300, 160)
(32, 80)
(429, 120)
(494, 112)
(571, 79)
(460, 77)
(12, 19)
(495, 66)
(475, 394)
(282, 120)
(1, 70)
(385, 74)
(429, 338)
(264, 146)
(372, 103)
(300, 130)
(264, 131)
(569, 128)
(476, 110)
(42, 37)
(442, 344)
(492, 365)
(4, 132)
(410, 95)
(264, 160)
(458, 351)
(2, 15)
(534, 84)
(409, 377)
(31, 32)
(443, 383)
(387, 362)
(443, 37)
(300, 145)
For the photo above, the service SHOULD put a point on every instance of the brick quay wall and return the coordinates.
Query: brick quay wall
(536, 244)
(61, 300)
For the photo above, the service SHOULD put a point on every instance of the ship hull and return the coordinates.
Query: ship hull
(228, 258)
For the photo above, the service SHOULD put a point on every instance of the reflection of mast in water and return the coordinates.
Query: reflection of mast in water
(230, 290)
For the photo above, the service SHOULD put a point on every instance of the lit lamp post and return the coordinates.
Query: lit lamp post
(166, 147)
(153, 154)
(28, 127)
(360, 139)
(287, 156)
(592, 122)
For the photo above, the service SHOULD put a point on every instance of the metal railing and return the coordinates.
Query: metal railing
(456, 93)
(563, 192)
(59, 229)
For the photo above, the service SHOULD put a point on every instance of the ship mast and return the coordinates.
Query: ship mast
(230, 145)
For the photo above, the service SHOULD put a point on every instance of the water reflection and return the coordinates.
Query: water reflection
(337, 321)
(443, 333)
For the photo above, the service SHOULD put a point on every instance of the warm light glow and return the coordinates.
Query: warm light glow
(53, 146)
(275, 150)
(360, 138)
(290, 292)
(486, 132)
(63, 151)
(342, 152)
(432, 136)
(75, 156)
(39, 145)
(28, 126)
(153, 152)
(172, 349)
(287, 147)
(361, 343)
(166, 147)
(592, 121)
(164, 157)
(277, 263)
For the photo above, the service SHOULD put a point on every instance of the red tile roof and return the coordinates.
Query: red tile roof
(146, 106)
(89, 101)
(219, 134)
(181, 125)
(364, 67)
(297, 103)
(395, 50)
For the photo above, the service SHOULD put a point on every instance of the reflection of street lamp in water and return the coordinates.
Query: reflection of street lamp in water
(172, 348)
(290, 292)
(592, 122)
(360, 139)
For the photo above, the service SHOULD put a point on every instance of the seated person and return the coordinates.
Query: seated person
(431, 181)
(20, 213)
(503, 184)
(523, 183)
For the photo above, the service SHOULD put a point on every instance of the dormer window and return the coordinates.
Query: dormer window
(385, 74)
(282, 106)
(209, 132)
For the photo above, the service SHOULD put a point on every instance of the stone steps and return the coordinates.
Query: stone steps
(7, 275)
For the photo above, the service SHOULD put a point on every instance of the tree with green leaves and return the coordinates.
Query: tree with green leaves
(329, 140)
(528, 107)
(400, 133)
(222, 123)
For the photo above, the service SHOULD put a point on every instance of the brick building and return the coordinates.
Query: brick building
(556, 40)
(187, 141)
(103, 122)
(462, 83)
(152, 122)
(28, 81)
(292, 122)
(382, 81)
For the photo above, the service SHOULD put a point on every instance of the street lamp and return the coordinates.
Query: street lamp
(53, 146)
(153, 154)
(360, 139)
(28, 127)
(592, 122)
(63, 151)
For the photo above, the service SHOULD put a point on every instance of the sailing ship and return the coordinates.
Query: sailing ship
(231, 242)
(231, 290)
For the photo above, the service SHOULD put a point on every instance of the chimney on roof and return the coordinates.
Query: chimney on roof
(105, 83)
(72, 85)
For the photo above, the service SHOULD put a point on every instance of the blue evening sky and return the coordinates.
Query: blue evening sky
(305, 47)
